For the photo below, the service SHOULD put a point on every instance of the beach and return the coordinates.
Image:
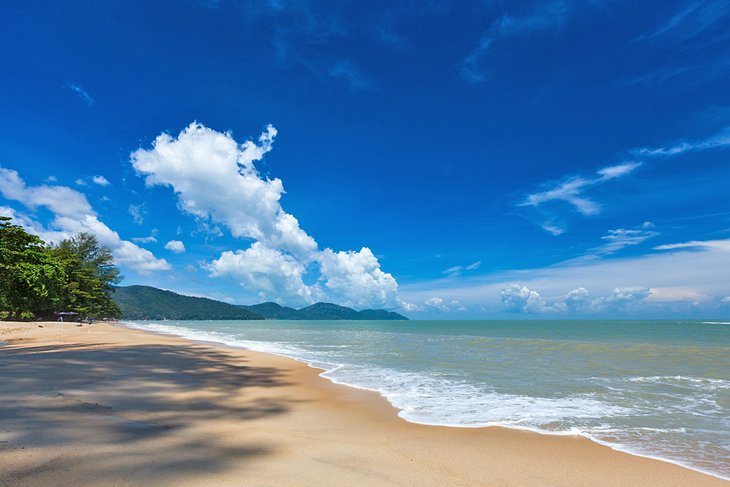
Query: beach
(104, 404)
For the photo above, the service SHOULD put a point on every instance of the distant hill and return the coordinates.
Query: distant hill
(321, 311)
(150, 303)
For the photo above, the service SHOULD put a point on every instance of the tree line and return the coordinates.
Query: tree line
(39, 281)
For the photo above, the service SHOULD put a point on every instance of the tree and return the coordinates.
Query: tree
(92, 276)
(31, 280)
(37, 280)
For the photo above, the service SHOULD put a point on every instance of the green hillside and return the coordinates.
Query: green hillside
(149, 303)
(321, 311)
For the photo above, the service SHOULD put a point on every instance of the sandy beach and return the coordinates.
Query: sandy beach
(103, 404)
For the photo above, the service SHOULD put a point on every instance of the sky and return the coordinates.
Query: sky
(486, 159)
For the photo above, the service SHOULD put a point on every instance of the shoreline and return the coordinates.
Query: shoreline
(302, 411)
(322, 373)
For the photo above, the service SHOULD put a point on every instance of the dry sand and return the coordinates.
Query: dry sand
(106, 405)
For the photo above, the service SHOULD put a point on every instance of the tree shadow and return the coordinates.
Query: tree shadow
(130, 411)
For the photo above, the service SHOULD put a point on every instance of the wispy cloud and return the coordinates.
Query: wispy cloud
(137, 213)
(571, 191)
(697, 245)
(82, 93)
(547, 15)
(350, 74)
(459, 269)
(621, 237)
(720, 139)
(690, 46)
(693, 20)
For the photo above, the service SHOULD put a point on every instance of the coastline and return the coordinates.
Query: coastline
(106, 403)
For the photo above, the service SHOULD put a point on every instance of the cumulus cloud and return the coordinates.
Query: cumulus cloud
(73, 214)
(439, 305)
(100, 180)
(216, 181)
(356, 278)
(273, 274)
(577, 300)
(519, 298)
(175, 246)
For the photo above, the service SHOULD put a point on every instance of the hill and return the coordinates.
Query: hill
(149, 303)
(321, 311)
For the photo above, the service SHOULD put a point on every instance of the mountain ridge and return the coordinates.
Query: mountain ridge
(150, 303)
(320, 311)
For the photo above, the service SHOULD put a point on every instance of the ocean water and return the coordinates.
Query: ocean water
(655, 388)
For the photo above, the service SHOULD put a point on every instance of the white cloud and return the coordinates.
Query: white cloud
(547, 15)
(459, 269)
(137, 213)
(697, 245)
(216, 181)
(215, 178)
(577, 300)
(73, 214)
(148, 239)
(720, 139)
(51, 179)
(273, 274)
(621, 237)
(82, 93)
(175, 246)
(519, 298)
(439, 305)
(691, 271)
(553, 229)
(571, 190)
(80, 182)
(100, 180)
(672, 294)
(355, 278)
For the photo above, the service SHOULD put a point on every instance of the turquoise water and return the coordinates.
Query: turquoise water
(657, 388)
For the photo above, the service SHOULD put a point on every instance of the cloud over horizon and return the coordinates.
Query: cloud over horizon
(216, 181)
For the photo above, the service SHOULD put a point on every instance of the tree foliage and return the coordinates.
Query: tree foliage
(37, 280)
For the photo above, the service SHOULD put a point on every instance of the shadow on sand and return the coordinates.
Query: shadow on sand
(130, 412)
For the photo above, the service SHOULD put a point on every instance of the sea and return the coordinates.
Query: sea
(653, 388)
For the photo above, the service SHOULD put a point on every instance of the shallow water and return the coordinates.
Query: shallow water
(657, 388)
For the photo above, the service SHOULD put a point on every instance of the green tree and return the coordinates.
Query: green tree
(31, 279)
(91, 276)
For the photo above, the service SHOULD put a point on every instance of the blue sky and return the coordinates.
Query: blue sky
(445, 159)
